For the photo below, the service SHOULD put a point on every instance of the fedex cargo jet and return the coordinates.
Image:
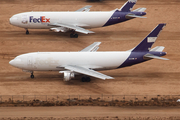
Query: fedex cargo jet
(77, 21)
(88, 60)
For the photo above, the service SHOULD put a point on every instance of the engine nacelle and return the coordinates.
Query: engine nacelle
(68, 75)
(55, 29)
(58, 29)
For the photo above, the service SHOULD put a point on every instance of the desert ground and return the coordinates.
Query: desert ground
(85, 113)
(154, 77)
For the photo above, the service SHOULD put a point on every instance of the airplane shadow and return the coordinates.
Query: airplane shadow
(146, 75)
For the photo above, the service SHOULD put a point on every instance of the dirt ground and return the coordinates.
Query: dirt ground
(150, 78)
(87, 112)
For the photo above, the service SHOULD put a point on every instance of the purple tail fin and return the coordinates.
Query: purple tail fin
(147, 43)
(128, 6)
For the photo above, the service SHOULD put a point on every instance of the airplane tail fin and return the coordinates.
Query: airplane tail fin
(127, 7)
(149, 40)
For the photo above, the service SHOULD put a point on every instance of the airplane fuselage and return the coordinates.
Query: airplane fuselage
(55, 61)
(41, 20)
(44, 61)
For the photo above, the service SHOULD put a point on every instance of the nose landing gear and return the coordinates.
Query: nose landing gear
(32, 76)
(27, 32)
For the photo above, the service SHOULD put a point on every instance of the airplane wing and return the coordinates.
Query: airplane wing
(91, 48)
(155, 57)
(87, 71)
(84, 9)
(76, 28)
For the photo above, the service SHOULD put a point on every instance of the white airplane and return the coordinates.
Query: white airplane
(88, 60)
(76, 21)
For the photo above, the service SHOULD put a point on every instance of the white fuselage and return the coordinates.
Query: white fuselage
(46, 61)
(39, 20)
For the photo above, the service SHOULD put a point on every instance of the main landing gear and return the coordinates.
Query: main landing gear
(73, 34)
(85, 79)
(27, 32)
(32, 76)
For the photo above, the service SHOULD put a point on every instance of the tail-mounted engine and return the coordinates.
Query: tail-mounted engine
(67, 75)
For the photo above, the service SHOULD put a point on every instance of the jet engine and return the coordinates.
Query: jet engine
(59, 29)
(68, 75)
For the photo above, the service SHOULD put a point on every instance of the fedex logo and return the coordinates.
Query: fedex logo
(42, 19)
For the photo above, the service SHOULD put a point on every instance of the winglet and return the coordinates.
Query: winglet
(149, 40)
(127, 7)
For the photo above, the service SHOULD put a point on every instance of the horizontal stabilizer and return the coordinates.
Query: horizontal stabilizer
(158, 49)
(155, 57)
(92, 48)
(128, 16)
(139, 10)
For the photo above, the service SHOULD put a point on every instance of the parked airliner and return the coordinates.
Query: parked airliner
(88, 60)
(76, 21)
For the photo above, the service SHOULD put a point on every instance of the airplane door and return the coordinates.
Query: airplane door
(29, 62)
(24, 20)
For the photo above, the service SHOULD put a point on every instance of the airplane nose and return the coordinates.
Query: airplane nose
(12, 20)
(15, 62)
(11, 62)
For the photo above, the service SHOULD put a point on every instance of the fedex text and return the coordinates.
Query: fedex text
(42, 19)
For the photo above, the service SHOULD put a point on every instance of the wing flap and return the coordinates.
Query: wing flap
(92, 48)
(87, 71)
(76, 28)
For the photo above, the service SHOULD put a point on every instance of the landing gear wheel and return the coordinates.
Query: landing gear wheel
(73, 35)
(32, 76)
(27, 32)
(83, 79)
(86, 79)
